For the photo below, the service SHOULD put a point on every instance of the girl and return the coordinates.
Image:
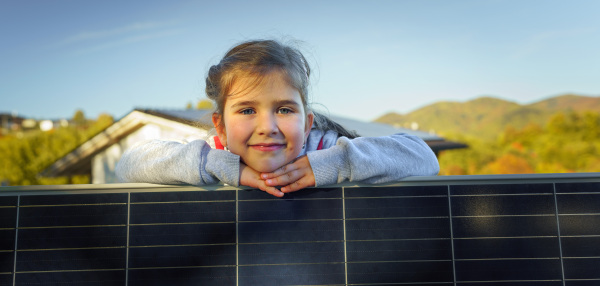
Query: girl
(268, 137)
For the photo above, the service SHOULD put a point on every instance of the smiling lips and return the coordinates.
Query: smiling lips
(267, 147)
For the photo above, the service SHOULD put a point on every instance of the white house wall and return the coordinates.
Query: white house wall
(103, 164)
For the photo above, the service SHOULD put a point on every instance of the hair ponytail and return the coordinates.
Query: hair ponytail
(324, 123)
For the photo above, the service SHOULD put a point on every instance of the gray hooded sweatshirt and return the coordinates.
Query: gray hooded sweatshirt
(372, 160)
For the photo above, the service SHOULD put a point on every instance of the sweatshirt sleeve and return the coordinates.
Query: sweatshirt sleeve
(373, 160)
(172, 162)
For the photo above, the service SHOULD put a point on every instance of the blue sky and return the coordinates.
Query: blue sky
(370, 57)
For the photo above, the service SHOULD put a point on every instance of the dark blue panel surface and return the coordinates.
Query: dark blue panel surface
(74, 237)
(504, 226)
(9, 217)
(74, 199)
(503, 205)
(513, 283)
(7, 261)
(178, 234)
(8, 201)
(191, 196)
(501, 189)
(397, 207)
(71, 259)
(399, 250)
(508, 270)
(578, 187)
(591, 282)
(77, 215)
(528, 247)
(363, 192)
(149, 213)
(282, 253)
(579, 224)
(290, 231)
(400, 272)
(582, 268)
(298, 209)
(77, 278)
(182, 256)
(292, 274)
(6, 279)
(310, 193)
(205, 276)
(580, 246)
(578, 203)
(411, 228)
(7, 239)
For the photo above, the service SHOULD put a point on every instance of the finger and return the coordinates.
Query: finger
(285, 179)
(304, 182)
(272, 191)
(283, 170)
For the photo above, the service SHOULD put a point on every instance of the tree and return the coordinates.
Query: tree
(103, 121)
(509, 164)
(568, 142)
(79, 118)
(204, 104)
(26, 154)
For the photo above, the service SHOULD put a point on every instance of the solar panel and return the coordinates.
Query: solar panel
(442, 233)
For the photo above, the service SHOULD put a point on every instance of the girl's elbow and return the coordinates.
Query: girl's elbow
(435, 170)
(431, 166)
(121, 174)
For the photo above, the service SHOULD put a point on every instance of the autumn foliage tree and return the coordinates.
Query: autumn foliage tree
(568, 142)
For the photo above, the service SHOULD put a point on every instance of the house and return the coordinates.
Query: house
(10, 122)
(98, 156)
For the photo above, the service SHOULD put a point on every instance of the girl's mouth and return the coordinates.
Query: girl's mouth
(268, 147)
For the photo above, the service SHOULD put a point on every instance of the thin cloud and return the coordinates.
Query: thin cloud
(94, 35)
(132, 33)
(130, 40)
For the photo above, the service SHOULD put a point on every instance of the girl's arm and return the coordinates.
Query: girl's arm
(171, 162)
(365, 159)
(373, 160)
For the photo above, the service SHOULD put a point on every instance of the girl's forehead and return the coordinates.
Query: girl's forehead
(252, 86)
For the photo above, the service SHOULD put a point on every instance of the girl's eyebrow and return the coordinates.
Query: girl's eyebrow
(287, 102)
(255, 102)
(244, 103)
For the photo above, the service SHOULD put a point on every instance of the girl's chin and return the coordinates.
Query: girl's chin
(265, 168)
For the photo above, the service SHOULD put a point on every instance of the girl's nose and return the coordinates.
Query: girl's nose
(267, 124)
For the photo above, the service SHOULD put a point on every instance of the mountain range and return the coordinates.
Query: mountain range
(487, 116)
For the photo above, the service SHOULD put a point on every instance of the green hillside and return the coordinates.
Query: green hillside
(487, 117)
(568, 102)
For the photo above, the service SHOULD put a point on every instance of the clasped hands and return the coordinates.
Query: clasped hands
(294, 176)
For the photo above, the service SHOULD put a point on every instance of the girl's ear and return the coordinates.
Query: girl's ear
(310, 117)
(220, 128)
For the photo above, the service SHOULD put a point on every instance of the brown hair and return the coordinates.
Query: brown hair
(257, 59)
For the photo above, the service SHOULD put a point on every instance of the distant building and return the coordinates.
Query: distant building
(10, 122)
(98, 156)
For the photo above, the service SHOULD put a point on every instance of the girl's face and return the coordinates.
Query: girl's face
(266, 125)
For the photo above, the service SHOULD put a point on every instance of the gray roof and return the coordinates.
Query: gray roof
(373, 129)
(200, 117)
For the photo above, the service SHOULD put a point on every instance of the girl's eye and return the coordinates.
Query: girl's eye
(247, 111)
(285, 110)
